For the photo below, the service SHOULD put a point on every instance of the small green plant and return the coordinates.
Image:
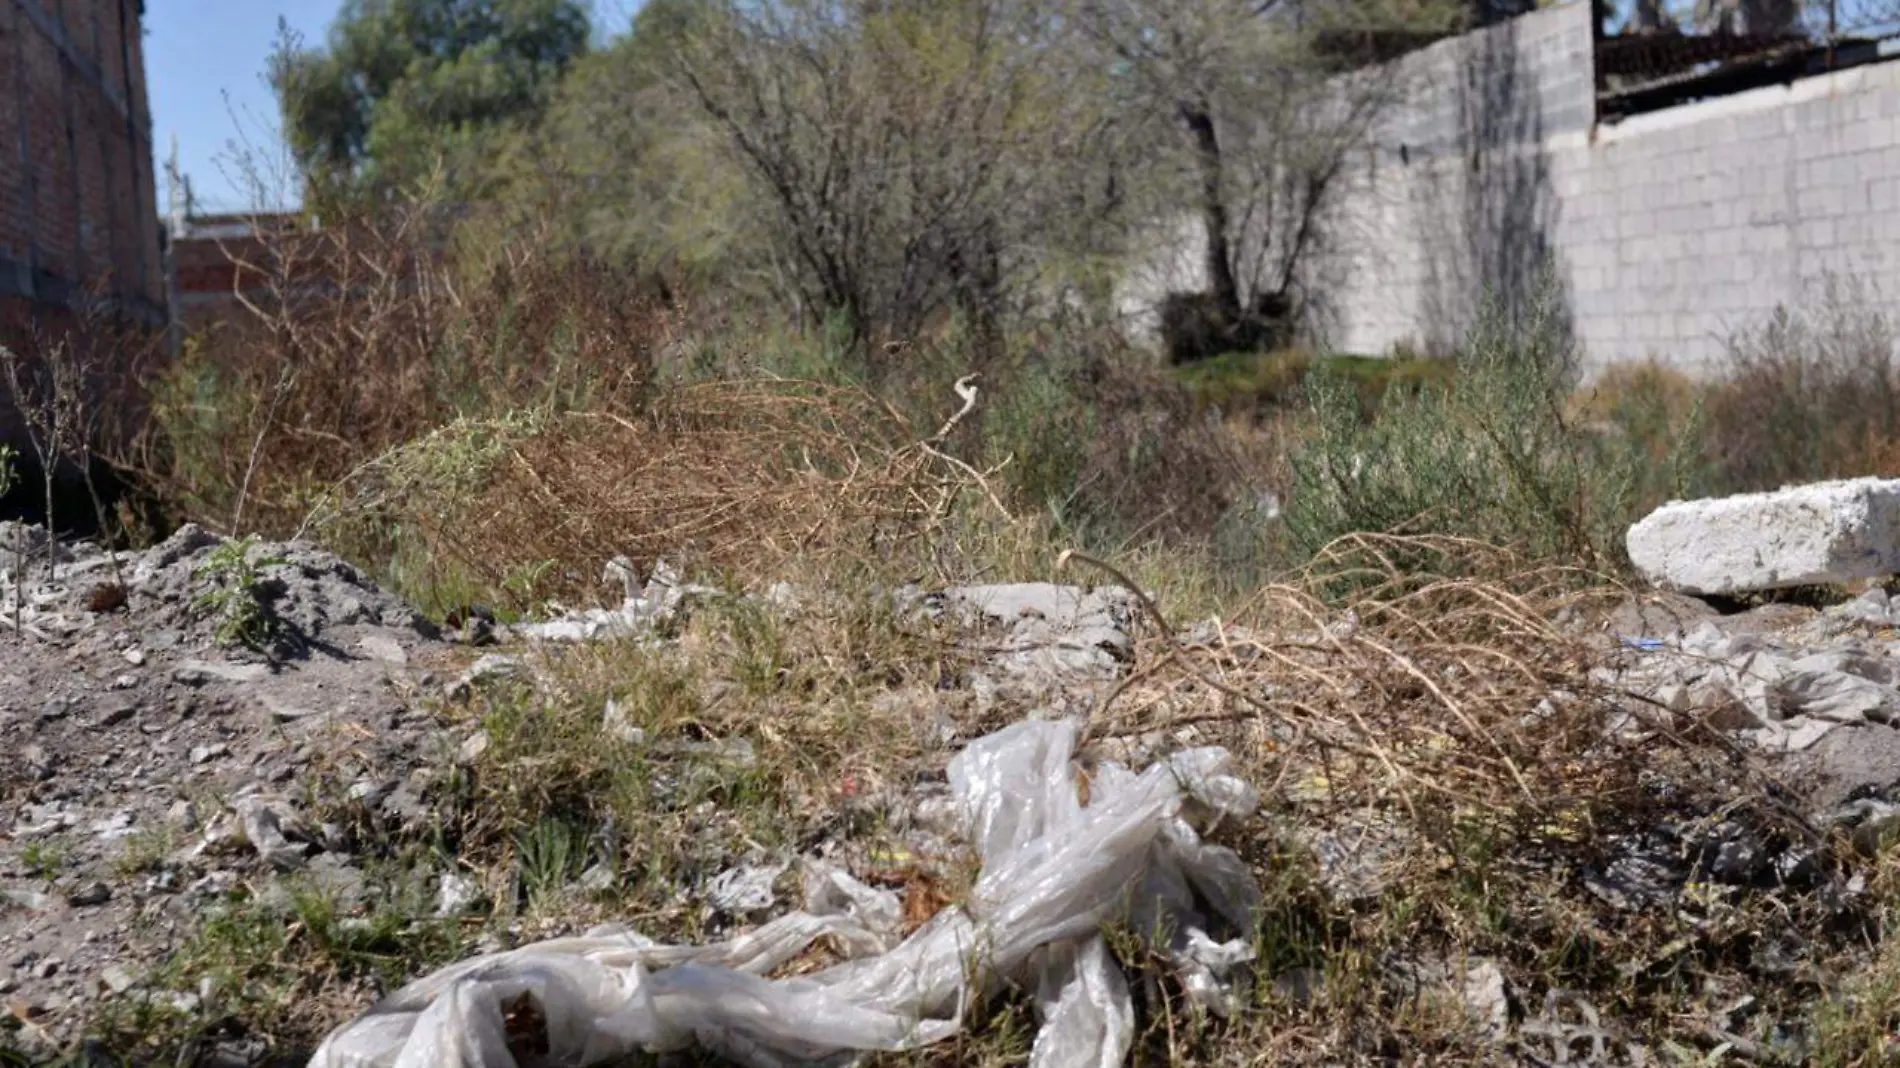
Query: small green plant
(551, 854)
(237, 597)
(44, 860)
(146, 850)
(528, 583)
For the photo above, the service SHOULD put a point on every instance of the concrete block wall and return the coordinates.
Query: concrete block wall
(1662, 233)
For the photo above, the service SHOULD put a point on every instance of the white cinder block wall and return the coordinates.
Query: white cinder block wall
(1667, 230)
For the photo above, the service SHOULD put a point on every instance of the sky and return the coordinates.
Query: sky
(204, 68)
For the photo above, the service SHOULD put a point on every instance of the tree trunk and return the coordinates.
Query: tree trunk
(1220, 262)
(979, 280)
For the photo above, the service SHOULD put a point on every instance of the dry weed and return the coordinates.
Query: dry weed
(745, 478)
(1433, 731)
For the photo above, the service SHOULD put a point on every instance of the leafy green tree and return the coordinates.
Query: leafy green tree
(627, 169)
(407, 86)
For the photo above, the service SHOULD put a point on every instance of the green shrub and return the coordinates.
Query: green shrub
(1492, 453)
(1262, 382)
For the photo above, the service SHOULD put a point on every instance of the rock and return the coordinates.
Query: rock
(284, 712)
(262, 824)
(455, 894)
(1873, 607)
(204, 754)
(1476, 984)
(384, 648)
(117, 712)
(490, 666)
(1488, 996)
(597, 879)
(134, 656)
(1870, 823)
(197, 672)
(30, 900)
(1824, 532)
(116, 979)
(182, 814)
(614, 721)
(93, 893)
(472, 749)
(1660, 615)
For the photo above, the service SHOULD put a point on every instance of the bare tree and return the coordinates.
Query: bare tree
(1268, 104)
(917, 156)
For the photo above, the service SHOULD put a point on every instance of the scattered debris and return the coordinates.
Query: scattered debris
(643, 612)
(1053, 872)
(746, 890)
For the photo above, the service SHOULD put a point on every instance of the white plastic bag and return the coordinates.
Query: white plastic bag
(1054, 872)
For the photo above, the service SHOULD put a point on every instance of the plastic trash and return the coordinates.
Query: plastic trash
(1054, 872)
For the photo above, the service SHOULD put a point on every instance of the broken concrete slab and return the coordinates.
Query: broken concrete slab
(1824, 532)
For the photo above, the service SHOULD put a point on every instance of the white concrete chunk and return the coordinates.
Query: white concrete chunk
(1824, 532)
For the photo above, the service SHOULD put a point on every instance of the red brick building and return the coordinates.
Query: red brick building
(78, 210)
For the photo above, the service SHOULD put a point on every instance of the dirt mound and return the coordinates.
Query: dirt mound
(162, 760)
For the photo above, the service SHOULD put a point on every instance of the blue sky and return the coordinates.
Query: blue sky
(204, 67)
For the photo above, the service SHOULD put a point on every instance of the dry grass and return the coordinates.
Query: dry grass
(356, 339)
(731, 478)
(1442, 736)
(1813, 393)
(1399, 727)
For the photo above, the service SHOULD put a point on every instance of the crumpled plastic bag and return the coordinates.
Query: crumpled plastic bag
(1053, 873)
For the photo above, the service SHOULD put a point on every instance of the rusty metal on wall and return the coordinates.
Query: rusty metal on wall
(1654, 53)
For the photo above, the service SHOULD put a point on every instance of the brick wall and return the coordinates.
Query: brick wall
(78, 211)
(77, 198)
(1665, 230)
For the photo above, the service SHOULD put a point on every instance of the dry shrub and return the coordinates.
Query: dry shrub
(1814, 393)
(731, 476)
(358, 337)
(1439, 731)
(1622, 390)
(1110, 447)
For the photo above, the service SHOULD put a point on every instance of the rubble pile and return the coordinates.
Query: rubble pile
(210, 718)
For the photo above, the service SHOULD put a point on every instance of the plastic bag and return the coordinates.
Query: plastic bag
(1054, 871)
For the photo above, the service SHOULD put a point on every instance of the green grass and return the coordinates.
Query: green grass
(288, 966)
(1263, 381)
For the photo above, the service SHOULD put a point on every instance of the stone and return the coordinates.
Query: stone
(472, 748)
(384, 648)
(117, 712)
(202, 754)
(197, 672)
(116, 979)
(1820, 533)
(455, 895)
